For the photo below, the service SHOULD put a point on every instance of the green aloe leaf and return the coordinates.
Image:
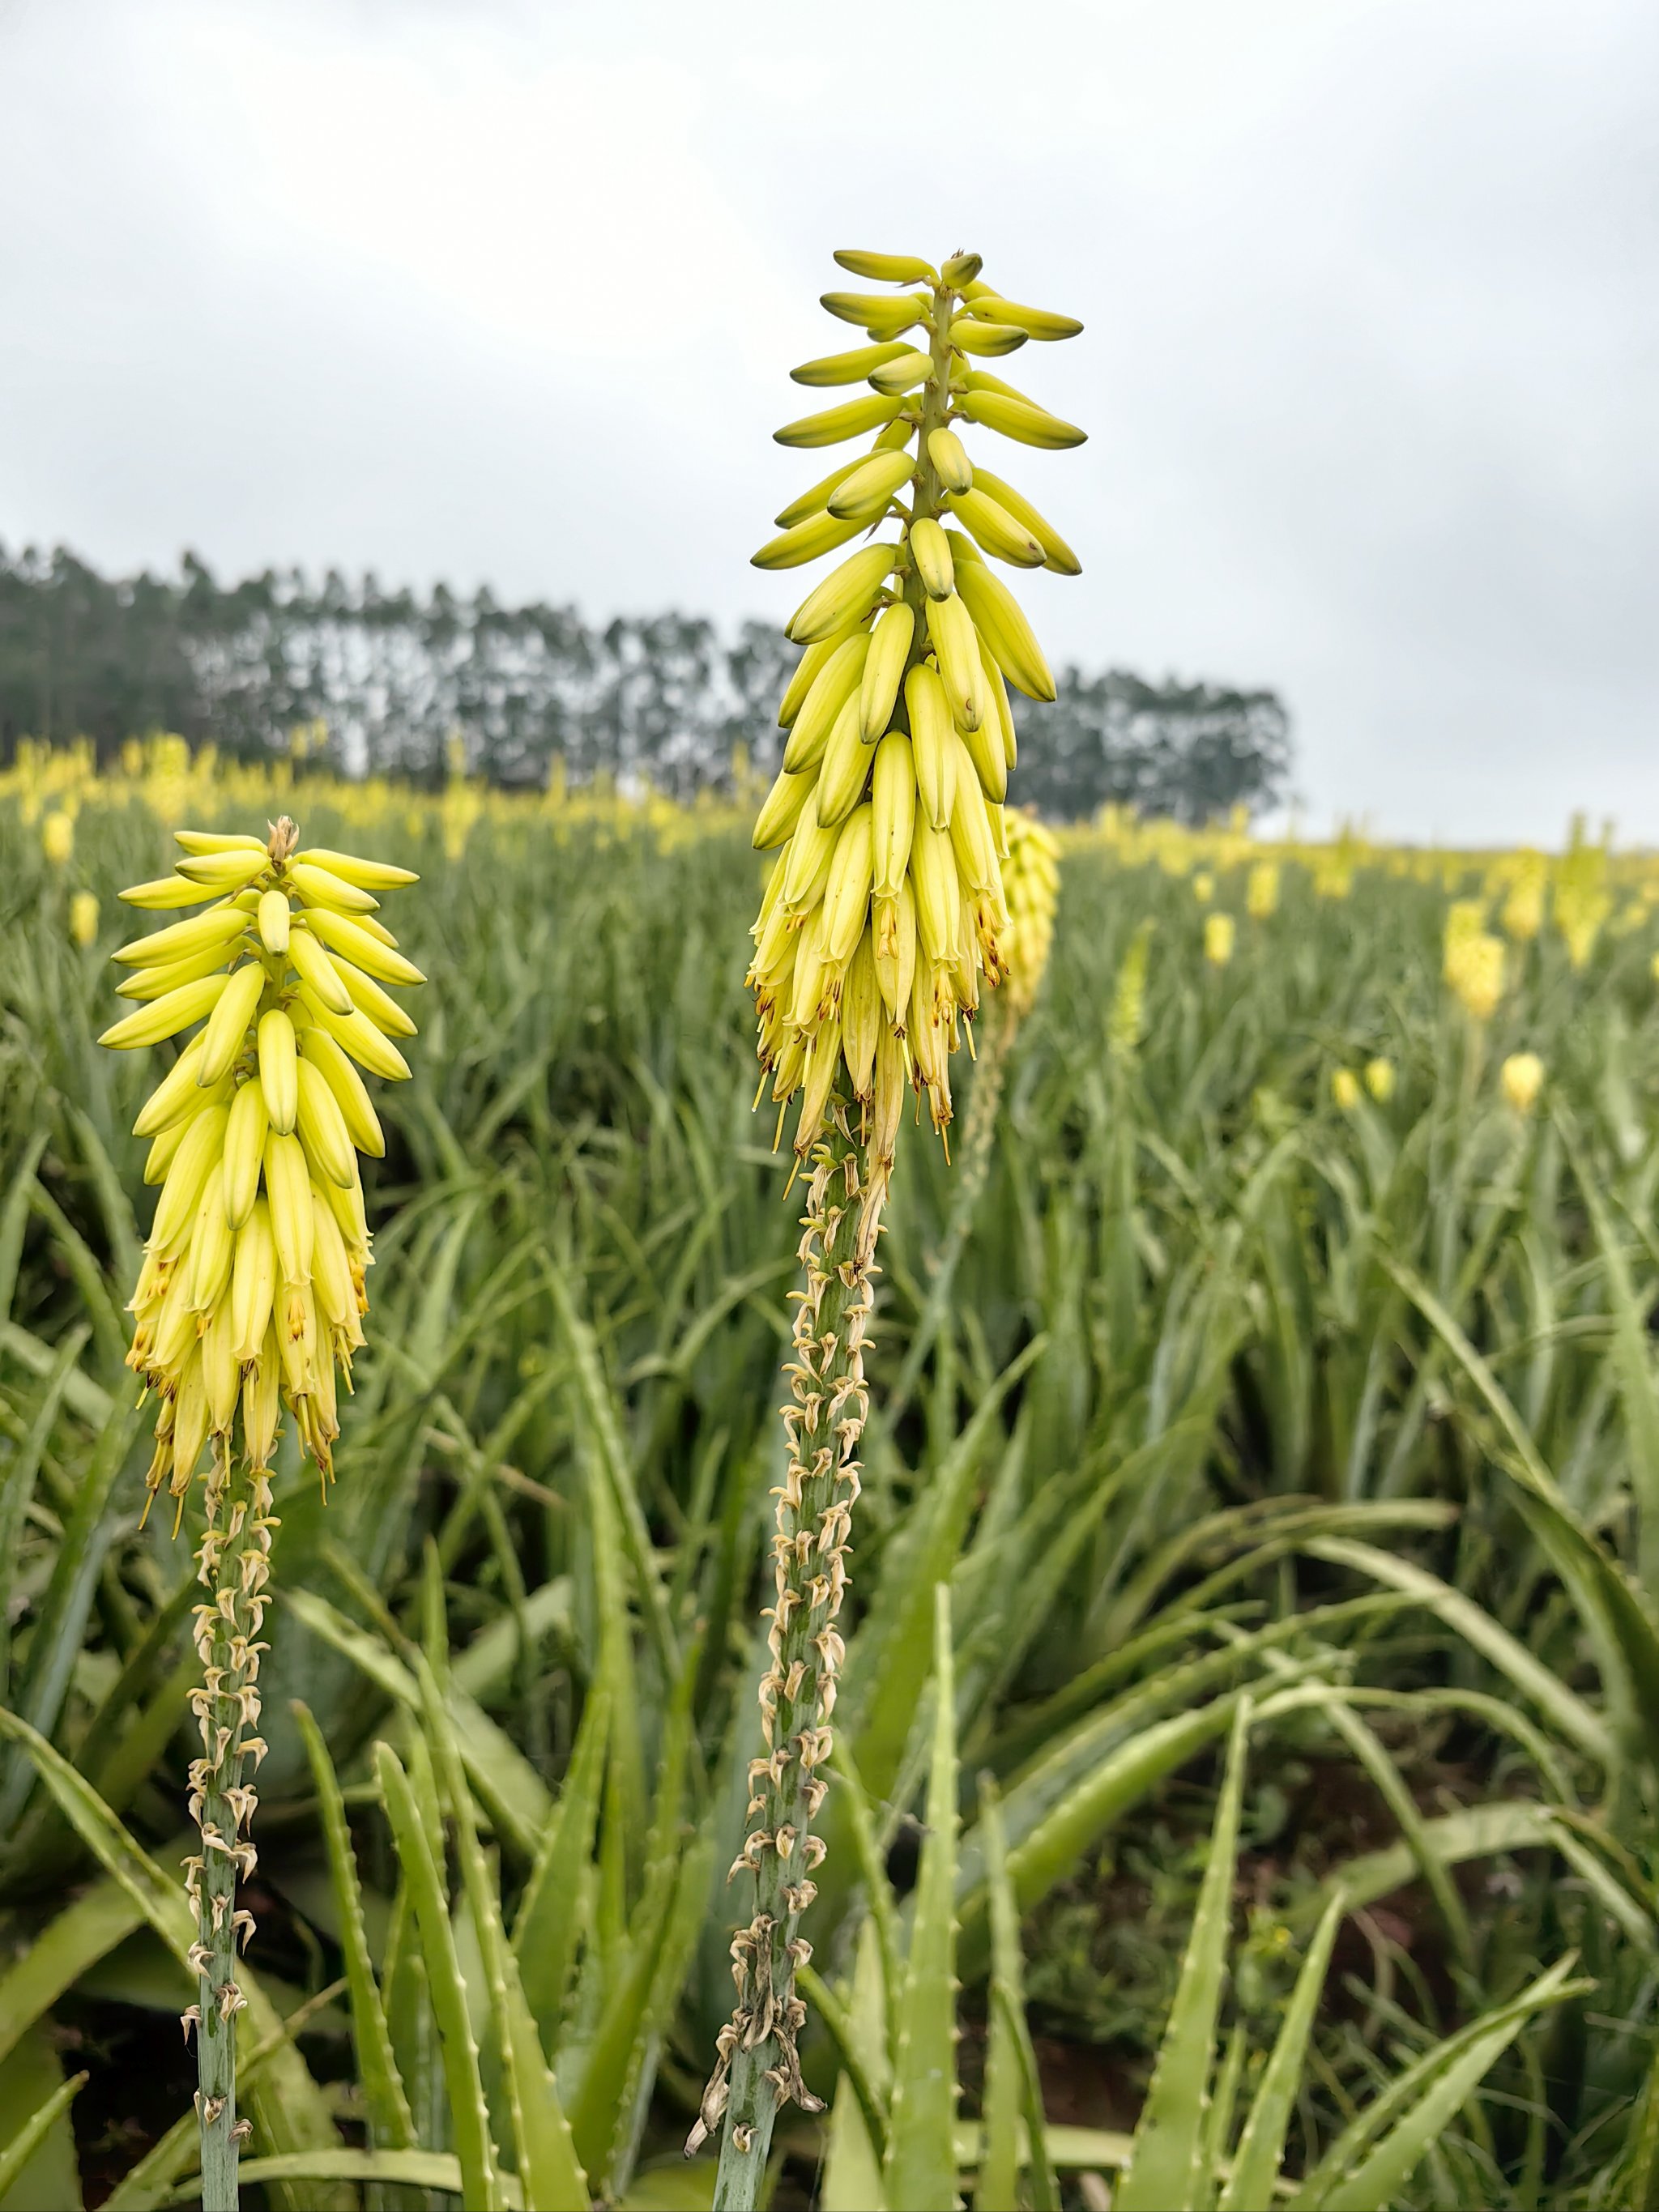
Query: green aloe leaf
(19, 2150)
(389, 2116)
(1255, 2170)
(1165, 2173)
(469, 2116)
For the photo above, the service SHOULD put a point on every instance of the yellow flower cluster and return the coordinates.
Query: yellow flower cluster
(177, 786)
(83, 919)
(1523, 914)
(1582, 901)
(1473, 959)
(1220, 935)
(1030, 882)
(1262, 889)
(887, 904)
(251, 1289)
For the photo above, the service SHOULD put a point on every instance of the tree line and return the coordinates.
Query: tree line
(396, 679)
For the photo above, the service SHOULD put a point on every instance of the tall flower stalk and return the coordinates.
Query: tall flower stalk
(884, 914)
(253, 1289)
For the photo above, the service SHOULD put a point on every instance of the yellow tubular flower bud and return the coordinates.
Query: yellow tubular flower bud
(986, 757)
(806, 863)
(997, 531)
(166, 1016)
(197, 843)
(254, 1281)
(848, 367)
(227, 1025)
(861, 1022)
(347, 1207)
(350, 1092)
(320, 1127)
(867, 492)
(222, 1376)
(198, 1156)
(955, 646)
(847, 891)
(369, 999)
(275, 918)
(246, 1131)
(288, 1182)
(362, 947)
(190, 1418)
(950, 459)
(164, 895)
(181, 940)
(850, 420)
(884, 670)
(930, 550)
(262, 1403)
(1017, 419)
(226, 871)
(1003, 710)
(932, 872)
(846, 766)
(278, 1077)
(337, 1300)
(1008, 637)
(807, 669)
(317, 971)
(1035, 322)
(359, 1037)
(147, 984)
(885, 268)
(174, 1096)
(804, 541)
(163, 1151)
(893, 799)
(1059, 555)
(838, 678)
(782, 809)
(903, 372)
(931, 741)
(322, 887)
(212, 1245)
(366, 875)
(844, 597)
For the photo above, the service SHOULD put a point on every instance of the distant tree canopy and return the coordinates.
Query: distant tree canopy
(395, 678)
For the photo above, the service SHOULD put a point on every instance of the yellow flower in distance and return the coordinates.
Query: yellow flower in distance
(1262, 889)
(1345, 1089)
(1522, 1077)
(1220, 933)
(1380, 1079)
(1030, 882)
(57, 837)
(1475, 968)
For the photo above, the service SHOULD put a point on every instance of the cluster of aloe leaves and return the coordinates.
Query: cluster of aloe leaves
(1245, 1415)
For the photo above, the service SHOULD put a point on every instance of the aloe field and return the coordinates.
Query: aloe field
(1247, 1747)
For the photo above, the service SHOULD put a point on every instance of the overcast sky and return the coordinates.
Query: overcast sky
(508, 293)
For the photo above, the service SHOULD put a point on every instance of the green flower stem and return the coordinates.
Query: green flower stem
(758, 2066)
(234, 1565)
